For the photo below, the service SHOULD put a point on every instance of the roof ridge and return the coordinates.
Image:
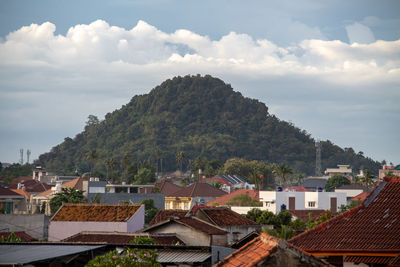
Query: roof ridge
(194, 186)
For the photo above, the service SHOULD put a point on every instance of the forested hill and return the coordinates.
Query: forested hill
(201, 116)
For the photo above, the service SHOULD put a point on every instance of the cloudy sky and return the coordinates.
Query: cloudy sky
(329, 67)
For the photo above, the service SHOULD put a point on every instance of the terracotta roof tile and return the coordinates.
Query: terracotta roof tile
(252, 253)
(223, 200)
(368, 259)
(167, 188)
(163, 215)
(95, 212)
(361, 196)
(30, 185)
(198, 190)
(75, 183)
(222, 216)
(22, 193)
(121, 238)
(372, 226)
(8, 192)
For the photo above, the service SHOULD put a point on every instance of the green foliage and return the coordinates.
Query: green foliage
(244, 201)
(67, 195)
(324, 217)
(282, 171)
(143, 240)
(353, 204)
(201, 117)
(286, 232)
(12, 238)
(150, 210)
(336, 181)
(366, 179)
(96, 198)
(214, 183)
(129, 257)
(144, 176)
(269, 218)
(15, 170)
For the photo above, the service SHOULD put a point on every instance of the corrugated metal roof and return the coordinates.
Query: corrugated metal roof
(23, 254)
(182, 256)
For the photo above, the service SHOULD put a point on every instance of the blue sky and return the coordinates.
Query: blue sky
(330, 67)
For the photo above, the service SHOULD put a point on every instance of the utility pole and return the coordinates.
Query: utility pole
(318, 167)
(28, 154)
(21, 154)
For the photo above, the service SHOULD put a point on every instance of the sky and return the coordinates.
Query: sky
(329, 67)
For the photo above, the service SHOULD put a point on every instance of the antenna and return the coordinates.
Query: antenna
(318, 158)
(21, 156)
(28, 154)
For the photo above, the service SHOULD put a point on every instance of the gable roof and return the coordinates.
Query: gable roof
(30, 185)
(121, 238)
(76, 183)
(167, 188)
(372, 226)
(198, 190)
(222, 216)
(362, 196)
(22, 193)
(163, 215)
(5, 192)
(260, 249)
(191, 222)
(223, 200)
(84, 212)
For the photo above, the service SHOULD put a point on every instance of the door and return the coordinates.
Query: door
(333, 205)
(292, 203)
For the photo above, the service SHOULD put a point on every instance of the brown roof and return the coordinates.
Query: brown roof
(121, 238)
(372, 226)
(199, 190)
(167, 188)
(222, 216)
(258, 250)
(22, 193)
(76, 183)
(362, 196)
(223, 200)
(163, 215)
(30, 185)
(8, 192)
(304, 214)
(193, 223)
(95, 212)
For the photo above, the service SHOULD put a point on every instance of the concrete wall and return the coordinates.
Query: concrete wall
(136, 223)
(219, 240)
(238, 232)
(116, 198)
(188, 235)
(33, 224)
(60, 230)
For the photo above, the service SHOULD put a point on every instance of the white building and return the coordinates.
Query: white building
(276, 201)
(344, 170)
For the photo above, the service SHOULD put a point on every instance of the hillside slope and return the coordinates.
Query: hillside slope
(201, 116)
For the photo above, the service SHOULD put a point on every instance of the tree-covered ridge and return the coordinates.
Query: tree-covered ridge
(201, 117)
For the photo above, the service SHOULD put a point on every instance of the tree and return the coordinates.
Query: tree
(180, 159)
(129, 257)
(110, 165)
(366, 179)
(144, 176)
(143, 240)
(335, 181)
(150, 210)
(244, 201)
(92, 157)
(67, 195)
(282, 171)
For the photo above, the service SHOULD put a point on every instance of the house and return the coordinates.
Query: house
(225, 199)
(195, 194)
(344, 170)
(388, 170)
(276, 201)
(167, 188)
(267, 250)
(235, 224)
(367, 235)
(12, 202)
(163, 215)
(121, 238)
(74, 218)
(191, 230)
(352, 190)
(29, 185)
(236, 181)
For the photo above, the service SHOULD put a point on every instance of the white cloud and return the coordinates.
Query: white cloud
(96, 68)
(359, 33)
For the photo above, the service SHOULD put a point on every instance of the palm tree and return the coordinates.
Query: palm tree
(110, 165)
(366, 179)
(282, 171)
(92, 156)
(180, 159)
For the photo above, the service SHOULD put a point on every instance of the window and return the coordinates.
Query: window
(311, 204)
(185, 206)
(167, 205)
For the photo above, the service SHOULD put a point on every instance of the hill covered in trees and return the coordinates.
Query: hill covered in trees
(201, 117)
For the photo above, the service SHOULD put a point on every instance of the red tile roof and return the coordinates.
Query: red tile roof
(167, 188)
(368, 259)
(198, 190)
(163, 215)
(24, 236)
(223, 200)
(95, 212)
(372, 226)
(193, 223)
(252, 253)
(225, 217)
(30, 185)
(121, 238)
(8, 192)
(361, 196)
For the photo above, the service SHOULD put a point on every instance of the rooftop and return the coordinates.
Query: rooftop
(83, 212)
(163, 215)
(223, 200)
(222, 216)
(372, 226)
(198, 190)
